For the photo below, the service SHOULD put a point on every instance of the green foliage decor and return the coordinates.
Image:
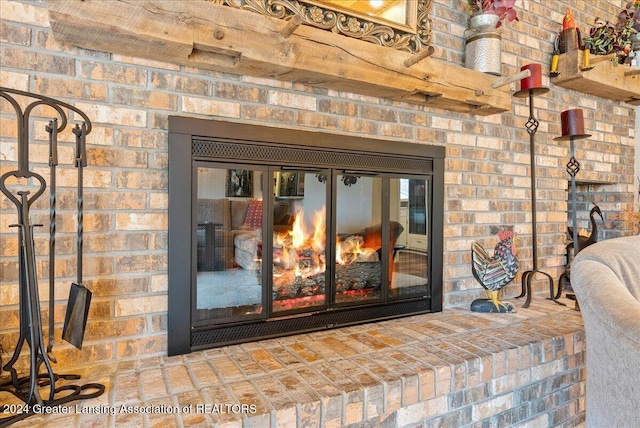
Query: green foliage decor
(606, 38)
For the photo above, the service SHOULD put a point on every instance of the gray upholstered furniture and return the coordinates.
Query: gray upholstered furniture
(606, 280)
(229, 233)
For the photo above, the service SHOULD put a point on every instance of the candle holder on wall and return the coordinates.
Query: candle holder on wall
(530, 87)
(23, 187)
(572, 129)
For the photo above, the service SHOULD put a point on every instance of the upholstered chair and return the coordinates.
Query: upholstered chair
(606, 281)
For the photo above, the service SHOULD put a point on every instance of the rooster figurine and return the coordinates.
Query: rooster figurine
(495, 272)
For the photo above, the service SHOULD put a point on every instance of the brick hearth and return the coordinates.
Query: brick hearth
(456, 368)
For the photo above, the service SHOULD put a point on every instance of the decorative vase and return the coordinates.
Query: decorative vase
(482, 49)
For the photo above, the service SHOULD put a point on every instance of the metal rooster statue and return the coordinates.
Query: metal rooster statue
(494, 272)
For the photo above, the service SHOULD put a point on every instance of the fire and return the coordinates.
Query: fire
(299, 255)
(351, 250)
(297, 240)
(297, 232)
(339, 251)
(318, 240)
(299, 252)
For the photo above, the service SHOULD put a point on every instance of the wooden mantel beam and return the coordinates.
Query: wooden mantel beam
(605, 79)
(202, 34)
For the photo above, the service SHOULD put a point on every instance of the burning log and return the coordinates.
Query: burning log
(355, 276)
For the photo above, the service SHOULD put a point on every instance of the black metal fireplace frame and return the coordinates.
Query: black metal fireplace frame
(194, 140)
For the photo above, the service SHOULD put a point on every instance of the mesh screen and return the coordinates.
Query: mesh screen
(269, 154)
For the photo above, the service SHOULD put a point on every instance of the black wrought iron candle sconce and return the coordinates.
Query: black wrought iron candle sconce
(347, 179)
(530, 87)
(573, 129)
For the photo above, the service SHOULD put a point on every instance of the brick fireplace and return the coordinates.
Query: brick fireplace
(486, 184)
(293, 231)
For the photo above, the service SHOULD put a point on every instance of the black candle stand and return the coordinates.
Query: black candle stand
(39, 386)
(532, 127)
(573, 167)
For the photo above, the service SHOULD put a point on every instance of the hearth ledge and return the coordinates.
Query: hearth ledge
(452, 368)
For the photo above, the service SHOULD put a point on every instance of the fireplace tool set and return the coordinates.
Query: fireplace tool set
(39, 387)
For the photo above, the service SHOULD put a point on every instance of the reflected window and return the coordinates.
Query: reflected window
(409, 207)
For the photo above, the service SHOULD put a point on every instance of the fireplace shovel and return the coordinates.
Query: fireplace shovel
(75, 320)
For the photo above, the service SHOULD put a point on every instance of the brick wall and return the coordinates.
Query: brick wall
(129, 99)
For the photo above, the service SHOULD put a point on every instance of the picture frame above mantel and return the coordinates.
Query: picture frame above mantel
(411, 31)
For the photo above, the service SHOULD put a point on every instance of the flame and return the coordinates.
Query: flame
(299, 255)
(281, 238)
(297, 231)
(339, 252)
(349, 251)
(318, 240)
(357, 250)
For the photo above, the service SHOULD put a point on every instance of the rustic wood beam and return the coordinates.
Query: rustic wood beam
(419, 56)
(206, 35)
(605, 79)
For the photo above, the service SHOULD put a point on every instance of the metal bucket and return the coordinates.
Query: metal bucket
(482, 49)
(483, 52)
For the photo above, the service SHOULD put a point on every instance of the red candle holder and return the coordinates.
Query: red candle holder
(529, 87)
(533, 83)
(572, 125)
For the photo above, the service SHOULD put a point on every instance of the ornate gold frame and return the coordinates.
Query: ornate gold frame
(351, 25)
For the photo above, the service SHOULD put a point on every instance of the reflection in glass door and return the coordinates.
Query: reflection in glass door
(409, 207)
(358, 248)
(417, 237)
(229, 229)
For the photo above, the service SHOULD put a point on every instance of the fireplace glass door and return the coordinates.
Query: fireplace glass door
(410, 198)
(332, 241)
(228, 229)
(358, 244)
(299, 263)
(274, 232)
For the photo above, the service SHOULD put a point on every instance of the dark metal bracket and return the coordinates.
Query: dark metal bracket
(32, 389)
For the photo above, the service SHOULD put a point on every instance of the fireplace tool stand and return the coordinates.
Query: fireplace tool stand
(532, 128)
(39, 387)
